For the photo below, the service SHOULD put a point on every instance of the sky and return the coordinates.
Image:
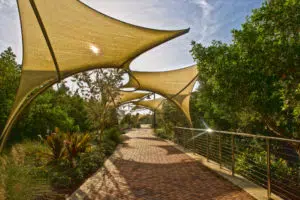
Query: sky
(207, 19)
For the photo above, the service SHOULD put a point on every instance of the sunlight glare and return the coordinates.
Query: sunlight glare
(209, 130)
(94, 49)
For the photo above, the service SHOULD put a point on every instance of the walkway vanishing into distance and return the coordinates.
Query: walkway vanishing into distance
(146, 167)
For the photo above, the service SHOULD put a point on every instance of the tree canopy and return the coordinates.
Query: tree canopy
(54, 108)
(253, 82)
(9, 81)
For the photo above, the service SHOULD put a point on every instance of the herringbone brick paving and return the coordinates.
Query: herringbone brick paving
(148, 168)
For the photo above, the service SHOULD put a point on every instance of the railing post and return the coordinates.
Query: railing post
(185, 140)
(268, 168)
(180, 138)
(207, 147)
(220, 150)
(299, 169)
(194, 144)
(174, 136)
(232, 155)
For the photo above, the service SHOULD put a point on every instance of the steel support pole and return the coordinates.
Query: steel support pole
(194, 145)
(220, 150)
(232, 155)
(154, 116)
(207, 147)
(268, 168)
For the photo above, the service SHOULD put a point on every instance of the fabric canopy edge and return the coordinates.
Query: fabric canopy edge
(26, 99)
(180, 31)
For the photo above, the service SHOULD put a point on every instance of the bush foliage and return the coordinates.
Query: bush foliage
(54, 166)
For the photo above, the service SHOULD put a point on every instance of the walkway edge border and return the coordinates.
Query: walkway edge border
(251, 188)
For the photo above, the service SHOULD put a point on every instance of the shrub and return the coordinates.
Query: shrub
(162, 133)
(91, 162)
(64, 177)
(61, 175)
(68, 146)
(25, 174)
(248, 162)
(56, 143)
(20, 176)
(21, 183)
(112, 134)
(111, 138)
(125, 126)
(35, 152)
(76, 144)
(108, 147)
(60, 179)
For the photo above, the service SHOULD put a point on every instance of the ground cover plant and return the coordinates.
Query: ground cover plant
(54, 166)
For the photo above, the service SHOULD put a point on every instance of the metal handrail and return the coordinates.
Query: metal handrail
(267, 139)
(242, 134)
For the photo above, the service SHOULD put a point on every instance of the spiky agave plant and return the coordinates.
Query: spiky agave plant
(56, 143)
(75, 144)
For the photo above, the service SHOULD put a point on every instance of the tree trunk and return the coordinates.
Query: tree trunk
(271, 125)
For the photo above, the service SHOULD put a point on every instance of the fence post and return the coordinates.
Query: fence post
(207, 147)
(232, 155)
(268, 168)
(180, 138)
(174, 136)
(184, 140)
(193, 137)
(220, 150)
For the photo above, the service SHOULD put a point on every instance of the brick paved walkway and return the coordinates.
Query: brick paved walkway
(148, 168)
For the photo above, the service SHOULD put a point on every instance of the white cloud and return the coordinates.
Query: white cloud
(206, 19)
(10, 33)
(207, 8)
(7, 4)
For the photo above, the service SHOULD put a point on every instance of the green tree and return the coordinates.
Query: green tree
(146, 119)
(127, 121)
(253, 83)
(9, 81)
(171, 116)
(53, 108)
(74, 105)
(42, 116)
(100, 88)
